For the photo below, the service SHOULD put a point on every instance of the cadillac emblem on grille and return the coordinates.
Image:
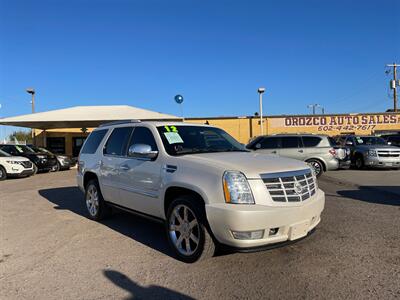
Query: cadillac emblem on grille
(298, 188)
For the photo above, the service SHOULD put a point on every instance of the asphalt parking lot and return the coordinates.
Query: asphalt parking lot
(50, 250)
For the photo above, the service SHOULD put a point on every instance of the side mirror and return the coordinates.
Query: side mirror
(349, 143)
(142, 151)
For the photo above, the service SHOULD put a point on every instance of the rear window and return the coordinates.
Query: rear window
(269, 143)
(290, 142)
(311, 141)
(93, 141)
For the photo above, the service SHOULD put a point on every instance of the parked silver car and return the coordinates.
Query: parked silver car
(319, 151)
(371, 151)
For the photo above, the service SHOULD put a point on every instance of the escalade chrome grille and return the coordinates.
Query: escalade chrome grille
(293, 186)
(389, 153)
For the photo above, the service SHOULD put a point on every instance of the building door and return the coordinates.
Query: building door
(77, 143)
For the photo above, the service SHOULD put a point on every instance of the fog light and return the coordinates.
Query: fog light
(248, 235)
(273, 231)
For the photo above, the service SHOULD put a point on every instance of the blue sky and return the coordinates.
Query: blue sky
(214, 53)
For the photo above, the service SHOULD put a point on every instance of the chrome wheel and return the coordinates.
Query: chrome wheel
(316, 166)
(184, 230)
(92, 200)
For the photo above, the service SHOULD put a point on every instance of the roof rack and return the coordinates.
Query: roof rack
(119, 122)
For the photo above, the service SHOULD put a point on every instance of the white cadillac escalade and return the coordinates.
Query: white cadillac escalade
(198, 180)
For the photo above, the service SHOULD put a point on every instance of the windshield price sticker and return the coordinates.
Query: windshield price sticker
(171, 129)
(19, 149)
(173, 137)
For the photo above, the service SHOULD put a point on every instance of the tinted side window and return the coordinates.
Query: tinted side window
(116, 143)
(290, 142)
(93, 141)
(311, 141)
(269, 143)
(143, 135)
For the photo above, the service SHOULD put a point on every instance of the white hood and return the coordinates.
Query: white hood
(250, 163)
(15, 158)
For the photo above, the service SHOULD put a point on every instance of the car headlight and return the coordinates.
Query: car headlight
(372, 153)
(13, 162)
(236, 188)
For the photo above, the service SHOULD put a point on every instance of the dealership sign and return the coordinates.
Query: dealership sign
(365, 122)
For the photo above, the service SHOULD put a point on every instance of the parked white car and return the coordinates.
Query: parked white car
(14, 166)
(201, 183)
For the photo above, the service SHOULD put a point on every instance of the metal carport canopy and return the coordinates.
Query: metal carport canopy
(83, 117)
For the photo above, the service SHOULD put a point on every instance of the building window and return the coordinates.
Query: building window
(56, 144)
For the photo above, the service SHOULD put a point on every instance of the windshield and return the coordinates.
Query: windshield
(24, 149)
(4, 154)
(370, 140)
(180, 140)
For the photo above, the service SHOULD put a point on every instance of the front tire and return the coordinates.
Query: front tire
(359, 162)
(95, 204)
(56, 168)
(3, 173)
(187, 229)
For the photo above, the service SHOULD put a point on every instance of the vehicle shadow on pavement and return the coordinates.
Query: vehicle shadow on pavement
(144, 231)
(388, 195)
(140, 292)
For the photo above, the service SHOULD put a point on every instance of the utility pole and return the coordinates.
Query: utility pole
(394, 85)
(261, 91)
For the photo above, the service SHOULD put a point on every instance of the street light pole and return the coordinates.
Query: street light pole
(32, 92)
(314, 106)
(260, 93)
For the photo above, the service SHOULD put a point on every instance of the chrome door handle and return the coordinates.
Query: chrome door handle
(124, 168)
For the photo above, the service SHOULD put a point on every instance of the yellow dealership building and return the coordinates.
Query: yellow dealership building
(64, 131)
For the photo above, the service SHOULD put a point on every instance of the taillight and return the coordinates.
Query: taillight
(332, 151)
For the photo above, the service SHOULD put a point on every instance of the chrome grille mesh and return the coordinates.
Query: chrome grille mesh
(389, 153)
(293, 186)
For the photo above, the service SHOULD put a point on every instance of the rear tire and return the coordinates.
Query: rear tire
(95, 204)
(3, 173)
(317, 166)
(188, 231)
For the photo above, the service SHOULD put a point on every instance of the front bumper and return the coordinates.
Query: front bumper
(46, 164)
(66, 163)
(24, 173)
(382, 162)
(293, 222)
